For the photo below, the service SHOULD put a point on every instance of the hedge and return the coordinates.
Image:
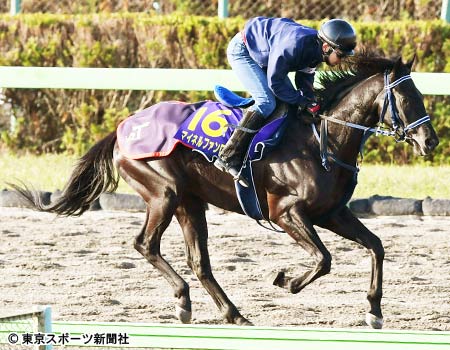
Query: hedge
(72, 120)
(315, 9)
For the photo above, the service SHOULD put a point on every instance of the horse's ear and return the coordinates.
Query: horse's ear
(410, 63)
(397, 65)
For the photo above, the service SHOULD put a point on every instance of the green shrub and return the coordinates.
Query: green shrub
(71, 120)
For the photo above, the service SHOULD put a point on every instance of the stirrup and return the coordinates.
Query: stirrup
(236, 174)
(220, 164)
(242, 180)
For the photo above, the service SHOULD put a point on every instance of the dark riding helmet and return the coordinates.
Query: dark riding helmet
(340, 35)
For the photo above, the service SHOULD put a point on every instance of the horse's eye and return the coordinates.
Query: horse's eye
(403, 100)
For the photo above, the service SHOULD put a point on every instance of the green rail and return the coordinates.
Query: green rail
(257, 338)
(178, 336)
(157, 79)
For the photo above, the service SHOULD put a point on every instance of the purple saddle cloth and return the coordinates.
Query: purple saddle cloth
(203, 126)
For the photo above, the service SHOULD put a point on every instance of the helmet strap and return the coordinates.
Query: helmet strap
(329, 51)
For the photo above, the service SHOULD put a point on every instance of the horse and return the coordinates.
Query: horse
(304, 182)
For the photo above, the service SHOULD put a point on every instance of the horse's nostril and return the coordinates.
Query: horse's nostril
(431, 143)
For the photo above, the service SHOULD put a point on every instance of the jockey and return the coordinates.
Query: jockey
(262, 55)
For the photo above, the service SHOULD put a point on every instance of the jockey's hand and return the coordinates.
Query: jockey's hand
(313, 108)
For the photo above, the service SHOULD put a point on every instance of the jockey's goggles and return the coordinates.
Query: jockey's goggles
(339, 54)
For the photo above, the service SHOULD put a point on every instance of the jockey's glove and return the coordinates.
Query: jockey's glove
(313, 108)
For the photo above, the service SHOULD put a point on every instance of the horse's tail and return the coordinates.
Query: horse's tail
(94, 174)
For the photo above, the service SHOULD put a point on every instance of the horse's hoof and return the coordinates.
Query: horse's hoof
(374, 321)
(183, 315)
(278, 279)
(242, 321)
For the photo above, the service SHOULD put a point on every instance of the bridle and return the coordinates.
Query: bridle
(398, 130)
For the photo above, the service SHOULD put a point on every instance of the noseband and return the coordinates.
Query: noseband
(398, 130)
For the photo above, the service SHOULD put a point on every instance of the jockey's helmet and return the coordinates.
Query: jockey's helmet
(340, 35)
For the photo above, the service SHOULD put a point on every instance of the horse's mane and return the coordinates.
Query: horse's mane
(356, 69)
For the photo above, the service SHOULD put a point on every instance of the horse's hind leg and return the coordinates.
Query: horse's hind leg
(148, 244)
(191, 216)
(345, 224)
(299, 227)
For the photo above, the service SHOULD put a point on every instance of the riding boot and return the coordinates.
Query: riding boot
(232, 155)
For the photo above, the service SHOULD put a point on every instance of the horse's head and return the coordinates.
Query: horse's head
(401, 106)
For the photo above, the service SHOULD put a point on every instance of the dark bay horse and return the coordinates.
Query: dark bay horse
(295, 190)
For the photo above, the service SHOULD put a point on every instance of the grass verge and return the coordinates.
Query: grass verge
(50, 172)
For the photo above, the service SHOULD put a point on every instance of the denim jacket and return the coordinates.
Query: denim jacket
(280, 46)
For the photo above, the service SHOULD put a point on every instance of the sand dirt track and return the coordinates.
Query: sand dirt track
(87, 269)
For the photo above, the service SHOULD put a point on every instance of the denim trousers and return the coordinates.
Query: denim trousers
(251, 75)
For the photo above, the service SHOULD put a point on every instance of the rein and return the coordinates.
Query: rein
(398, 130)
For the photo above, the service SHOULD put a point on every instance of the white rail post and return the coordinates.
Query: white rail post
(445, 11)
(223, 9)
(15, 7)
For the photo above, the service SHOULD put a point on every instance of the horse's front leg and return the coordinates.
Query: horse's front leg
(345, 224)
(299, 227)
